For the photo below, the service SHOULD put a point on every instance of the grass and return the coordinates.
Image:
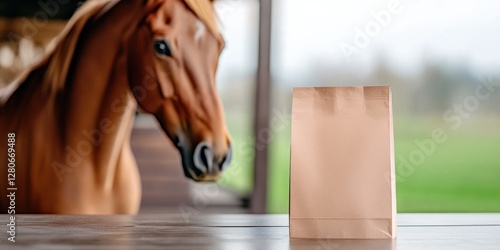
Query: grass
(462, 175)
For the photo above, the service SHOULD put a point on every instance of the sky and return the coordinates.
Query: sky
(462, 32)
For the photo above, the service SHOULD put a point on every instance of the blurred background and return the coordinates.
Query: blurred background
(441, 57)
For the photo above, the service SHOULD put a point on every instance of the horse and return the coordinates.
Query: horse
(70, 116)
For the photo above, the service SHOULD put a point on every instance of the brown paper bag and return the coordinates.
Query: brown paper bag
(342, 163)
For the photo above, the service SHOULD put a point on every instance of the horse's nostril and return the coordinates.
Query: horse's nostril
(177, 142)
(227, 159)
(203, 158)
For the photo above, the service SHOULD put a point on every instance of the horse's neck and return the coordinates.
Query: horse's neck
(99, 105)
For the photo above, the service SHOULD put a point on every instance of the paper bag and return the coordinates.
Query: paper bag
(342, 182)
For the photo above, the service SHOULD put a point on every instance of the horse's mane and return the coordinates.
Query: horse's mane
(62, 53)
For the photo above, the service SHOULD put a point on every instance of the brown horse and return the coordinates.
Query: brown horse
(72, 113)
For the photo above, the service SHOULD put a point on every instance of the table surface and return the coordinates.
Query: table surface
(234, 232)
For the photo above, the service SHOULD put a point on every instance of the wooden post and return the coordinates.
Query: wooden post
(258, 200)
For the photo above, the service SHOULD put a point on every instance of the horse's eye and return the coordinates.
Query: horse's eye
(162, 48)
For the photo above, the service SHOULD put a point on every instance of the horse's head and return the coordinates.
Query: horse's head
(172, 61)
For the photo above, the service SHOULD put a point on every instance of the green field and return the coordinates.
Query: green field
(462, 175)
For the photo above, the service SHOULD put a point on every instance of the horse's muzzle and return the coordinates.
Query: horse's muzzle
(204, 165)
